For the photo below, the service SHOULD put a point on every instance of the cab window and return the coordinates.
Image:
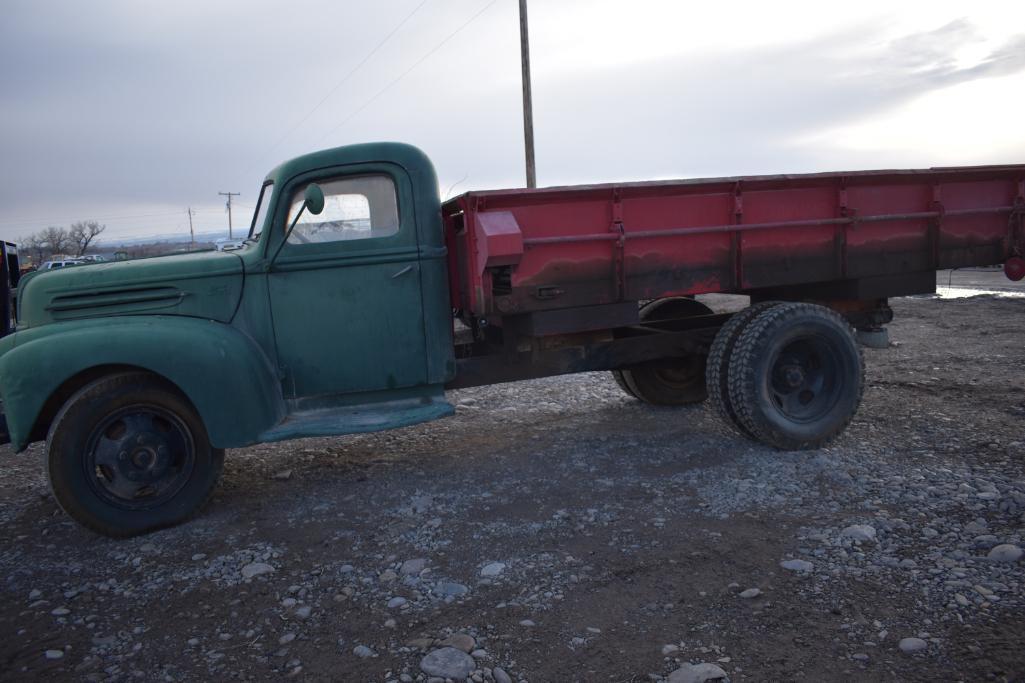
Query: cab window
(355, 208)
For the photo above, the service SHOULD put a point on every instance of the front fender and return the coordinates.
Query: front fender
(220, 369)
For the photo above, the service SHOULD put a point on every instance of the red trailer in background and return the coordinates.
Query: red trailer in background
(549, 281)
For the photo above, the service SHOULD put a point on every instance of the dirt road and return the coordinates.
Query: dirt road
(558, 530)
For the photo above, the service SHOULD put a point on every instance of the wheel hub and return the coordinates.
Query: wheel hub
(140, 457)
(147, 460)
(793, 375)
(801, 383)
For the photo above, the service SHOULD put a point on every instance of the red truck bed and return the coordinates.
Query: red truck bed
(517, 251)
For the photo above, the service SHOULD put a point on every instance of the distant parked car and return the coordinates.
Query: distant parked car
(228, 244)
(50, 265)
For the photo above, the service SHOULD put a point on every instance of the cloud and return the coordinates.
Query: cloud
(742, 111)
(120, 108)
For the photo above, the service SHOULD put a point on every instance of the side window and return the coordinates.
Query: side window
(355, 208)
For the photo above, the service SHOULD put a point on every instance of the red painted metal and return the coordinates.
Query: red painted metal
(516, 251)
(499, 240)
(1014, 268)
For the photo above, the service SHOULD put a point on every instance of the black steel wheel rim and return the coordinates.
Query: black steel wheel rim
(139, 457)
(805, 380)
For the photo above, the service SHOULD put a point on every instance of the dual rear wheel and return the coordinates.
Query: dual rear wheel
(789, 375)
(786, 374)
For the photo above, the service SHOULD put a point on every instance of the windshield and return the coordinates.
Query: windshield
(260, 215)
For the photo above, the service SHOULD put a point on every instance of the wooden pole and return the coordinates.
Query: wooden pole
(229, 195)
(528, 106)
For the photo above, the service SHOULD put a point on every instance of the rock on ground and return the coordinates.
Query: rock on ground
(492, 570)
(448, 662)
(1006, 552)
(256, 569)
(698, 673)
(459, 641)
(413, 567)
(797, 565)
(910, 645)
(859, 532)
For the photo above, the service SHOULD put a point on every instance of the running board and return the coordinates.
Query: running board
(355, 419)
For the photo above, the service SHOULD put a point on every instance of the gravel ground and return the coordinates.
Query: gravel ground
(557, 530)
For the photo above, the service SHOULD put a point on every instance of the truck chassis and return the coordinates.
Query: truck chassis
(140, 374)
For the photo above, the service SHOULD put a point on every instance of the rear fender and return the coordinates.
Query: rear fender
(221, 370)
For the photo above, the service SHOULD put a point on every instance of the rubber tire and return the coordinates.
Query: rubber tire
(621, 381)
(717, 368)
(750, 367)
(66, 443)
(643, 381)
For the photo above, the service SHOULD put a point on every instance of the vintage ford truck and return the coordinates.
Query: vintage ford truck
(359, 298)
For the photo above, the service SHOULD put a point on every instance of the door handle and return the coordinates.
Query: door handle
(405, 270)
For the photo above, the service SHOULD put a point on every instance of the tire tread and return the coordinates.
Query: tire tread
(719, 356)
(98, 387)
(751, 345)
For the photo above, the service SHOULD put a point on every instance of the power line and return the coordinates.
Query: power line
(410, 69)
(344, 80)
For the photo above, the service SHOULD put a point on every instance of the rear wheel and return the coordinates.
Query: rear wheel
(796, 376)
(129, 454)
(621, 381)
(717, 367)
(673, 382)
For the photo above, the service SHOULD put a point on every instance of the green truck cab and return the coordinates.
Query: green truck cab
(139, 374)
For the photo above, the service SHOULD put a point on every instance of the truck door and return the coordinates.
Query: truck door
(345, 287)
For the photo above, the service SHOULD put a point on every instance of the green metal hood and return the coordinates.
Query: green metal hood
(204, 284)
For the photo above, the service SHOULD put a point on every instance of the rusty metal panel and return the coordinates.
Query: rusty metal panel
(601, 244)
(785, 255)
(884, 247)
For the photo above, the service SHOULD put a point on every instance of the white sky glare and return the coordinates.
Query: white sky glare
(129, 112)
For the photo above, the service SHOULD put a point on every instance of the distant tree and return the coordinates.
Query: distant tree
(57, 240)
(82, 234)
(33, 246)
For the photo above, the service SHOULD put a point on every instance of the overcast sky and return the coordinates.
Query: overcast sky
(129, 112)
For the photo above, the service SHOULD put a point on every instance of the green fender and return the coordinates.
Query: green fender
(219, 368)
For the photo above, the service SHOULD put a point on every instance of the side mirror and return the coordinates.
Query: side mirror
(314, 197)
(313, 201)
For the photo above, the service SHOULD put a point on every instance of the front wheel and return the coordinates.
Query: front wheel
(129, 454)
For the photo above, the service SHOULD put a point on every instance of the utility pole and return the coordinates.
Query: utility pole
(229, 195)
(528, 106)
(192, 233)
